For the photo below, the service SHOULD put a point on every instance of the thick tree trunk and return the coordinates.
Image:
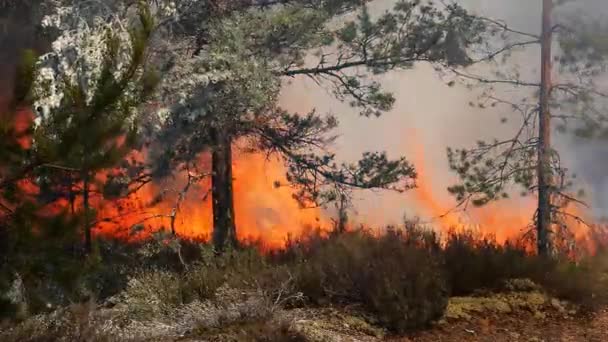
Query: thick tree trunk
(87, 221)
(543, 223)
(224, 229)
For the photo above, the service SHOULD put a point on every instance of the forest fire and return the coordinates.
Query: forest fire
(509, 220)
(167, 164)
(269, 215)
(500, 220)
(264, 213)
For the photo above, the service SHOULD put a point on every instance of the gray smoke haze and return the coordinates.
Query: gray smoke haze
(428, 115)
(432, 116)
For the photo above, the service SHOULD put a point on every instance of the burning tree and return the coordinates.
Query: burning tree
(528, 158)
(222, 66)
(223, 86)
(86, 93)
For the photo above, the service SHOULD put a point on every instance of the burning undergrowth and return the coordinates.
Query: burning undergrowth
(267, 213)
(264, 206)
(160, 230)
(182, 204)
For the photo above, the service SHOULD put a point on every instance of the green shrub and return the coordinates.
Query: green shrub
(473, 262)
(397, 276)
(404, 285)
(584, 283)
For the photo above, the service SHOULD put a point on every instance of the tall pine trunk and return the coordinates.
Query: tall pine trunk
(224, 228)
(342, 214)
(543, 223)
(87, 220)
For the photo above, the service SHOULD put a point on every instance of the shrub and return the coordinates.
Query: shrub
(72, 323)
(151, 294)
(584, 283)
(261, 330)
(201, 283)
(158, 291)
(273, 332)
(396, 276)
(473, 262)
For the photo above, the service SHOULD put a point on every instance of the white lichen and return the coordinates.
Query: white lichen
(77, 55)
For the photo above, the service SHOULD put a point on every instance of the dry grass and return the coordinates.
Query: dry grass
(402, 280)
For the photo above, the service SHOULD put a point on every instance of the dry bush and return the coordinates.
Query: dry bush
(158, 292)
(401, 278)
(584, 283)
(264, 330)
(474, 262)
(396, 276)
(73, 323)
(152, 294)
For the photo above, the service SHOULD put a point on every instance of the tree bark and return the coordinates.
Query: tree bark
(342, 214)
(224, 228)
(543, 223)
(86, 207)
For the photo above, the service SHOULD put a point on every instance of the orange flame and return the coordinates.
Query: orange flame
(506, 220)
(270, 214)
(263, 211)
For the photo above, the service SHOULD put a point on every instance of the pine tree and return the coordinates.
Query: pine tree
(228, 90)
(87, 120)
(570, 103)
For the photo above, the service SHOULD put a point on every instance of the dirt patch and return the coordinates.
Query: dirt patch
(520, 327)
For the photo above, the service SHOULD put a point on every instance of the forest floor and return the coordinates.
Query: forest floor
(525, 317)
(512, 316)
(499, 327)
(518, 327)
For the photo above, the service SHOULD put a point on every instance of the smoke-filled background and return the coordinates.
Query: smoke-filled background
(429, 116)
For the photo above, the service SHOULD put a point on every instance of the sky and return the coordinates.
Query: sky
(429, 116)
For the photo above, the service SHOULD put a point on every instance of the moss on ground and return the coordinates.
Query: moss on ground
(524, 295)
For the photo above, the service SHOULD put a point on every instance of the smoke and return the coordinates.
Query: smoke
(582, 157)
(430, 116)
